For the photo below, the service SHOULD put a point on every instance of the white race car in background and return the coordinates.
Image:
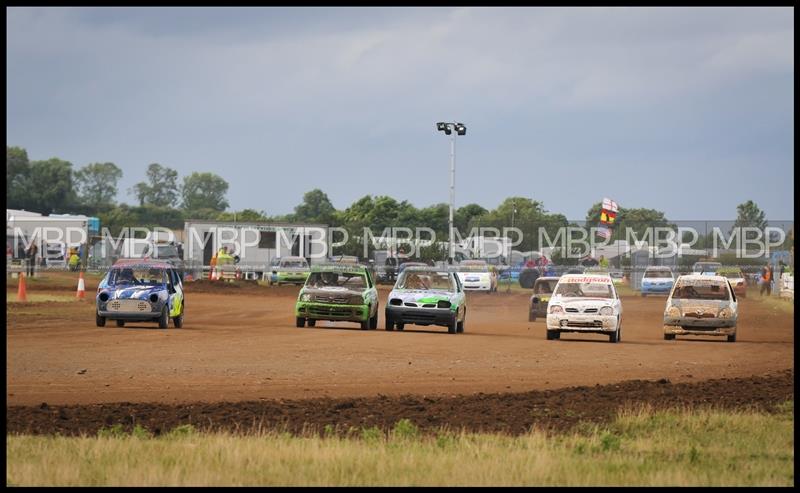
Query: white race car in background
(475, 275)
(584, 303)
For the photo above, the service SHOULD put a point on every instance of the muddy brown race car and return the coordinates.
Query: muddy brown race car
(542, 290)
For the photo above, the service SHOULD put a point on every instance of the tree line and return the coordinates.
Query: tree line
(53, 186)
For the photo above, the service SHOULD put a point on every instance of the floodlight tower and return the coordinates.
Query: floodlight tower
(460, 129)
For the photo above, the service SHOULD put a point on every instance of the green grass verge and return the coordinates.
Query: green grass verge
(642, 447)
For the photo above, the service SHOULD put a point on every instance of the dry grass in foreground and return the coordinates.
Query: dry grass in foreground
(641, 447)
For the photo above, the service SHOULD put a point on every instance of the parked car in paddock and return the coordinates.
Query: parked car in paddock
(289, 270)
(338, 292)
(706, 268)
(736, 277)
(657, 280)
(426, 295)
(475, 275)
(701, 305)
(136, 290)
(585, 303)
(542, 291)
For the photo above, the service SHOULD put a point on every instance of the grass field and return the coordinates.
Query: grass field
(641, 447)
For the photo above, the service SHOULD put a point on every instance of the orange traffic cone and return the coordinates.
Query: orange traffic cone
(22, 294)
(81, 288)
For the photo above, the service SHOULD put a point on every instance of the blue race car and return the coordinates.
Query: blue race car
(657, 280)
(137, 290)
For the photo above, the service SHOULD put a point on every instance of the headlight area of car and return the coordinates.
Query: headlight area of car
(673, 311)
(555, 309)
(305, 297)
(606, 311)
(725, 313)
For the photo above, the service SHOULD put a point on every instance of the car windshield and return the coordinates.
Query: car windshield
(706, 267)
(545, 287)
(166, 251)
(349, 280)
(731, 274)
(474, 267)
(294, 263)
(657, 273)
(584, 290)
(148, 276)
(425, 280)
(701, 290)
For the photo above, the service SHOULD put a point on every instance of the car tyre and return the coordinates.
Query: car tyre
(400, 325)
(163, 320)
(312, 322)
(531, 316)
(669, 337)
(300, 322)
(732, 338)
(553, 335)
(452, 326)
(614, 336)
(120, 323)
(644, 295)
(365, 325)
(373, 322)
(460, 325)
(100, 321)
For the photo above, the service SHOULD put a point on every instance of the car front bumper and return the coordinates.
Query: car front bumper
(699, 326)
(331, 311)
(421, 316)
(657, 289)
(582, 323)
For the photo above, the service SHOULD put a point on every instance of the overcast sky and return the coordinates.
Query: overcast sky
(684, 110)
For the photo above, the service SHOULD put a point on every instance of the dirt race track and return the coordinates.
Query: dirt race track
(240, 344)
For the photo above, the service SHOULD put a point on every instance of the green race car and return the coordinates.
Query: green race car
(340, 293)
(288, 270)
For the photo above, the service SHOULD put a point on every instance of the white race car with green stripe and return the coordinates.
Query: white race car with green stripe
(427, 296)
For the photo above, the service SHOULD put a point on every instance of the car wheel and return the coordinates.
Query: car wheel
(163, 320)
(373, 322)
(460, 325)
(553, 335)
(120, 323)
(452, 327)
(389, 321)
(365, 325)
(614, 336)
(732, 338)
(669, 337)
(312, 322)
(531, 316)
(178, 321)
(644, 295)
(300, 322)
(400, 325)
(100, 321)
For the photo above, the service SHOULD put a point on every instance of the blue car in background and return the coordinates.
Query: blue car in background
(657, 280)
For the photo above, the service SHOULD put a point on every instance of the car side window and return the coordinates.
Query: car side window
(730, 290)
(369, 279)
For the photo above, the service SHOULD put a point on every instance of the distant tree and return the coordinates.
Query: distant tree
(96, 184)
(316, 208)
(749, 215)
(160, 189)
(50, 186)
(204, 191)
(18, 172)
(463, 215)
(246, 215)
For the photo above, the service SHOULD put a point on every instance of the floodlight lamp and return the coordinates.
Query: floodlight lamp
(441, 126)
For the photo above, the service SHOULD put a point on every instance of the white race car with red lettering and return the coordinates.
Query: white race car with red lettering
(584, 303)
